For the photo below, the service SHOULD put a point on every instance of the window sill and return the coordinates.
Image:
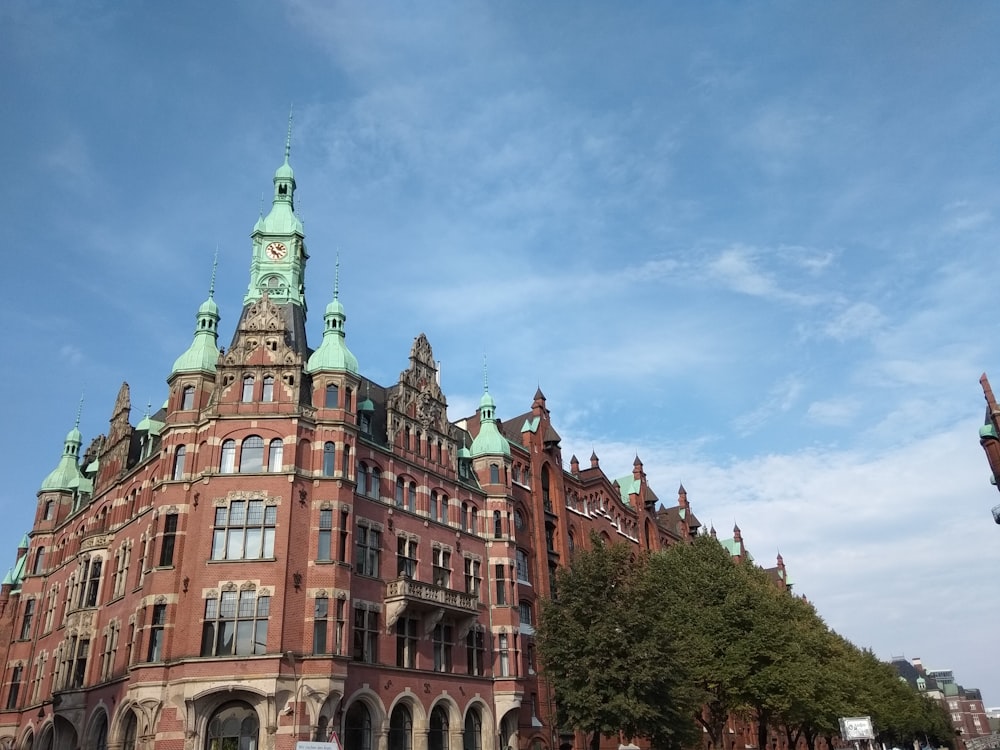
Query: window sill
(242, 560)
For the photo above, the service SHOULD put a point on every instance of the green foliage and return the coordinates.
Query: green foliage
(655, 646)
(609, 657)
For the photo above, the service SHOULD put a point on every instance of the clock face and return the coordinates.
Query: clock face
(276, 251)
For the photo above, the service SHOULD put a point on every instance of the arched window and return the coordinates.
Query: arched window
(248, 388)
(233, 727)
(473, 519)
(187, 397)
(437, 737)
(357, 728)
(252, 454)
(494, 474)
(329, 458)
(129, 731)
(400, 489)
(375, 486)
(411, 497)
(472, 738)
(401, 728)
(464, 520)
(332, 396)
(178, 472)
(275, 454)
(348, 395)
(228, 463)
(546, 497)
(362, 478)
(268, 392)
(433, 509)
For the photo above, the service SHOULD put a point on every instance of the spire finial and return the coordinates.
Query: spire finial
(336, 277)
(288, 141)
(215, 265)
(79, 411)
(262, 205)
(149, 405)
(486, 377)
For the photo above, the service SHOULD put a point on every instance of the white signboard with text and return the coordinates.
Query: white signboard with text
(856, 728)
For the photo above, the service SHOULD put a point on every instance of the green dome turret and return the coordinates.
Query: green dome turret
(333, 354)
(203, 354)
(489, 441)
(66, 476)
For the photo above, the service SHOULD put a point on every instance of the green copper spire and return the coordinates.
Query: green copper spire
(66, 475)
(489, 441)
(333, 354)
(203, 354)
(279, 255)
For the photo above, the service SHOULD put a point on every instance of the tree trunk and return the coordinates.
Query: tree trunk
(595, 740)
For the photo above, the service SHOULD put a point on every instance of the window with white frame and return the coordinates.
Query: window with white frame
(368, 545)
(235, 624)
(443, 641)
(244, 530)
(406, 556)
(441, 567)
(522, 567)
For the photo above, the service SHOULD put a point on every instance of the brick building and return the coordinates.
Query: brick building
(286, 550)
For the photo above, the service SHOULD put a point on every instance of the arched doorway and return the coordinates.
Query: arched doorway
(437, 736)
(129, 730)
(234, 726)
(358, 727)
(472, 738)
(97, 737)
(401, 728)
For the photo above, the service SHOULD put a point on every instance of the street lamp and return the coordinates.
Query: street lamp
(290, 658)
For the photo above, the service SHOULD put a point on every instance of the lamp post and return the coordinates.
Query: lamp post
(290, 658)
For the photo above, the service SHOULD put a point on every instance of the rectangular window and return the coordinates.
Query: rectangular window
(501, 585)
(244, 531)
(29, 613)
(367, 551)
(325, 534)
(342, 547)
(235, 624)
(472, 576)
(156, 632)
(406, 557)
(442, 567)
(93, 584)
(80, 664)
(338, 632)
(16, 676)
(406, 642)
(39, 565)
(475, 652)
(504, 654)
(525, 612)
(442, 647)
(522, 566)
(320, 615)
(332, 394)
(365, 635)
(169, 537)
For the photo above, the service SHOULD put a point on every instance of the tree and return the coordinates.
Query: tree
(609, 655)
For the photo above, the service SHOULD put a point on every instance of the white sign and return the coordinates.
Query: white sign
(300, 745)
(856, 728)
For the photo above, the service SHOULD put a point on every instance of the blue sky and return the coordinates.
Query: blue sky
(752, 243)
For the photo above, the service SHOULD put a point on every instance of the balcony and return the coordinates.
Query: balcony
(429, 602)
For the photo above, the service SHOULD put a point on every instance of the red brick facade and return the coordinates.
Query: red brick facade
(281, 554)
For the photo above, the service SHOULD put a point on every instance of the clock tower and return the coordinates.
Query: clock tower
(278, 264)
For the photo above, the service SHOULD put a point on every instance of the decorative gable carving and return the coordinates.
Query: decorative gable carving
(417, 398)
